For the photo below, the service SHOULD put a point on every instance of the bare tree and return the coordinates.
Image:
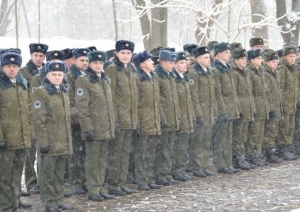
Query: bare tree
(288, 22)
(6, 12)
(258, 13)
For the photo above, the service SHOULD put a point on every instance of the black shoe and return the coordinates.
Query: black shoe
(53, 209)
(162, 182)
(154, 186)
(68, 194)
(128, 190)
(255, 160)
(289, 156)
(144, 187)
(116, 191)
(209, 173)
(199, 173)
(24, 193)
(241, 163)
(79, 190)
(233, 170)
(180, 177)
(24, 205)
(173, 182)
(96, 198)
(228, 170)
(107, 196)
(33, 190)
(188, 176)
(65, 207)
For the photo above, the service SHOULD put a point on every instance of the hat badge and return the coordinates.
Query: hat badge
(56, 66)
(84, 51)
(55, 54)
(12, 59)
(126, 44)
(99, 55)
(206, 49)
(39, 47)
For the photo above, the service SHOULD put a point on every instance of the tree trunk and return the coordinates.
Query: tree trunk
(164, 26)
(6, 11)
(296, 10)
(155, 25)
(115, 21)
(258, 12)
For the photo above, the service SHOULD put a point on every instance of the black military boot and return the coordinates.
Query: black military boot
(241, 163)
(271, 157)
(256, 160)
(286, 154)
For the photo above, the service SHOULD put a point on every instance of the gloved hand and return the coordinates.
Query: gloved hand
(164, 124)
(272, 115)
(44, 150)
(199, 120)
(118, 130)
(89, 136)
(223, 118)
(3, 145)
(241, 116)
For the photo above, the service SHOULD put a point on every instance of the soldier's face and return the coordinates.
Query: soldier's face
(81, 63)
(241, 62)
(257, 61)
(38, 58)
(258, 47)
(147, 65)
(55, 77)
(11, 70)
(167, 65)
(180, 66)
(188, 61)
(204, 60)
(124, 56)
(272, 64)
(69, 62)
(96, 66)
(291, 58)
(224, 56)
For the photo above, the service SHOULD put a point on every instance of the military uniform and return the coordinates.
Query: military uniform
(170, 118)
(52, 126)
(188, 118)
(202, 86)
(76, 161)
(31, 181)
(96, 116)
(124, 93)
(290, 94)
(149, 129)
(229, 109)
(15, 131)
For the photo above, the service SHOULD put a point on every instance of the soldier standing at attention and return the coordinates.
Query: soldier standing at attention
(271, 79)
(228, 107)
(52, 127)
(170, 117)
(15, 132)
(32, 68)
(124, 94)
(149, 129)
(289, 87)
(97, 120)
(182, 137)
(76, 161)
(244, 93)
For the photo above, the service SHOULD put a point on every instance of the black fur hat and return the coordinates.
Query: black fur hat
(11, 58)
(200, 51)
(289, 50)
(55, 66)
(38, 47)
(220, 47)
(96, 56)
(124, 45)
(80, 52)
(55, 55)
(141, 57)
(181, 56)
(189, 47)
(254, 53)
(238, 53)
(68, 53)
(256, 41)
(270, 55)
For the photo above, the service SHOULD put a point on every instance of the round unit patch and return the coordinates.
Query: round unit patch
(191, 81)
(37, 104)
(79, 92)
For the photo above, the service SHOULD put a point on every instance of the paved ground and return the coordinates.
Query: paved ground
(271, 188)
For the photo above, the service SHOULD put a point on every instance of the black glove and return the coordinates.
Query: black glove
(241, 116)
(3, 145)
(118, 130)
(199, 120)
(272, 115)
(44, 150)
(164, 124)
(89, 136)
(223, 118)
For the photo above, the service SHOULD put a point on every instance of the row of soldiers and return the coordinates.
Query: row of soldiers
(148, 117)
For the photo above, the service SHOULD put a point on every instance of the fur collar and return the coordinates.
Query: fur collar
(160, 71)
(93, 76)
(6, 83)
(75, 72)
(120, 66)
(179, 78)
(50, 88)
(223, 68)
(201, 71)
(144, 76)
(255, 70)
(32, 69)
